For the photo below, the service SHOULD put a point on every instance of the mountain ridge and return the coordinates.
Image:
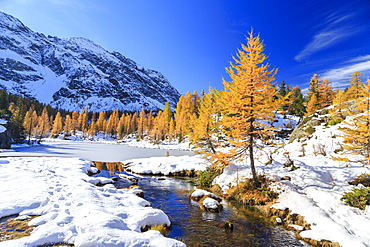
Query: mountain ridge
(75, 73)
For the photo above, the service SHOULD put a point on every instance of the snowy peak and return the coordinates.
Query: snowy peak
(75, 73)
(11, 23)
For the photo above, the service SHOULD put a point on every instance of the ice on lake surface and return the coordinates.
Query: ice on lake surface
(107, 152)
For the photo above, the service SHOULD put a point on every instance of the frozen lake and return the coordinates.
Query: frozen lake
(104, 152)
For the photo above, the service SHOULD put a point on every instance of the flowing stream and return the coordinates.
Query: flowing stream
(199, 228)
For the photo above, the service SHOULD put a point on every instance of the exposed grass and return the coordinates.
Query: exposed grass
(334, 121)
(245, 192)
(206, 177)
(13, 229)
(358, 198)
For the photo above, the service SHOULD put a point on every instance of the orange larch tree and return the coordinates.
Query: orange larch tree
(57, 124)
(355, 89)
(206, 128)
(357, 135)
(248, 101)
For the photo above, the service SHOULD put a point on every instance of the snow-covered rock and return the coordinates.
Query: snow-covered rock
(74, 73)
(2, 127)
(210, 203)
(199, 193)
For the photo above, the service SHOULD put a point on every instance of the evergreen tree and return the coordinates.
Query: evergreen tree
(297, 106)
(248, 101)
(18, 113)
(4, 104)
(283, 90)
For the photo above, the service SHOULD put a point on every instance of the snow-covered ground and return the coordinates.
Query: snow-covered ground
(315, 188)
(73, 210)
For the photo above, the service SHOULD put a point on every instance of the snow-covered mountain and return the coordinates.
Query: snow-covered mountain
(74, 73)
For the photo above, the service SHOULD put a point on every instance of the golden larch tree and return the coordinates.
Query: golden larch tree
(150, 121)
(206, 128)
(57, 124)
(141, 124)
(339, 107)
(325, 93)
(186, 113)
(93, 128)
(83, 121)
(112, 124)
(159, 128)
(248, 101)
(43, 123)
(355, 89)
(68, 124)
(30, 122)
(167, 116)
(102, 121)
(312, 105)
(357, 135)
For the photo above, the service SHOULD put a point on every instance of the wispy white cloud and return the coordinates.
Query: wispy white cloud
(341, 75)
(334, 31)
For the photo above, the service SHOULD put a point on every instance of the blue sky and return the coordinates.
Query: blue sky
(192, 41)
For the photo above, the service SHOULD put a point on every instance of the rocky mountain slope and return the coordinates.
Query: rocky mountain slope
(74, 73)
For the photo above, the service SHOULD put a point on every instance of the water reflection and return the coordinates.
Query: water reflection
(110, 166)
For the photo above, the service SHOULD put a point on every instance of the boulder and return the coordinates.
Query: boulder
(5, 136)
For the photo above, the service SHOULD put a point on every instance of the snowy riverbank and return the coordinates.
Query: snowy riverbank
(71, 209)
